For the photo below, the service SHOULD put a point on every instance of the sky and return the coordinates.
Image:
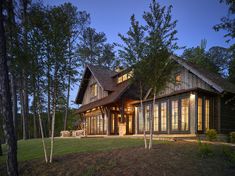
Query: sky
(196, 19)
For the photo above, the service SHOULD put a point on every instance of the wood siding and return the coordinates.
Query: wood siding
(188, 81)
(87, 96)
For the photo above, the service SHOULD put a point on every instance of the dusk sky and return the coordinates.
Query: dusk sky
(196, 19)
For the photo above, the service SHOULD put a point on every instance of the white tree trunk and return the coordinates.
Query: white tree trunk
(41, 130)
(151, 123)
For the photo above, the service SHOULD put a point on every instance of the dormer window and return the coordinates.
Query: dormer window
(94, 90)
(125, 77)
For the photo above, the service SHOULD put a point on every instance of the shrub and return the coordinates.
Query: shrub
(204, 150)
(211, 135)
(230, 155)
(232, 137)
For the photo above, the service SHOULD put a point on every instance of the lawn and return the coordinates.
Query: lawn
(122, 156)
(32, 149)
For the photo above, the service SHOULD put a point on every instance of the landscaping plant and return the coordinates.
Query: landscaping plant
(211, 135)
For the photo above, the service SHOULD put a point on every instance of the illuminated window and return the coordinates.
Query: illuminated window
(124, 77)
(155, 117)
(174, 114)
(163, 116)
(141, 120)
(94, 90)
(120, 79)
(147, 116)
(178, 78)
(207, 114)
(184, 114)
(199, 113)
(130, 124)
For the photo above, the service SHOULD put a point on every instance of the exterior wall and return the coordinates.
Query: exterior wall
(87, 95)
(191, 114)
(188, 81)
(227, 120)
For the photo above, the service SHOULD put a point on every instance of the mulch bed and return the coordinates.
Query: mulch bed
(175, 158)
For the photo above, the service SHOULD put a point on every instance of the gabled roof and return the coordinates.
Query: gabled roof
(102, 75)
(118, 91)
(214, 80)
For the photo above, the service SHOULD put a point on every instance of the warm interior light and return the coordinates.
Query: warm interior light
(192, 96)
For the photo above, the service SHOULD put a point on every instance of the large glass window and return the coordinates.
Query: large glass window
(141, 120)
(112, 123)
(174, 115)
(156, 117)
(147, 116)
(105, 124)
(163, 116)
(130, 123)
(185, 114)
(199, 113)
(207, 114)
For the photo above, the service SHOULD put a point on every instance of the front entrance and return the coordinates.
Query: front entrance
(117, 124)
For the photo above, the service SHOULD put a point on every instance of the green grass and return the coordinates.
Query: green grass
(32, 149)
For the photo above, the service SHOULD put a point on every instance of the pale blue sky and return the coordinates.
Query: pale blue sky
(195, 19)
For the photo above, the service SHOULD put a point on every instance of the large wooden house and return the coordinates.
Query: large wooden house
(196, 102)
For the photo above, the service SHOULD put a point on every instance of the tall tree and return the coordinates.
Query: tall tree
(6, 107)
(93, 49)
(228, 24)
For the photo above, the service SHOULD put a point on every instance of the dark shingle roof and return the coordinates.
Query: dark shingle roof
(112, 97)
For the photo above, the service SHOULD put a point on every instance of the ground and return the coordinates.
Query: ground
(123, 157)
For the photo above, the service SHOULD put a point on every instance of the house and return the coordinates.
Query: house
(197, 102)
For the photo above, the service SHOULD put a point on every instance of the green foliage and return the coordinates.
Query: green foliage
(230, 155)
(211, 135)
(204, 150)
(232, 137)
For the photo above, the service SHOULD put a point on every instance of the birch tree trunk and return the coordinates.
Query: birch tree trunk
(6, 106)
(54, 112)
(35, 134)
(49, 101)
(151, 123)
(142, 114)
(41, 128)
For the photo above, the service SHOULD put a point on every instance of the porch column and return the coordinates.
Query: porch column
(107, 116)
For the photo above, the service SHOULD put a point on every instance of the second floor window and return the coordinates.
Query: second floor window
(94, 90)
(178, 78)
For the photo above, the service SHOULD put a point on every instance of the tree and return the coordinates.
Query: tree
(215, 60)
(148, 48)
(161, 42)
(6, 108)
(93, 49)
(227, 24)
(133, 51)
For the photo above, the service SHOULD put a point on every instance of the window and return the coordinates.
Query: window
(112, 123)
(178, 78)
(130, 123)
(207, 113)
(174, 115)
(147, 115)
(155, 120)
(125, 77)
(94, 90)
(141, 120)
(199, 114)
(120, 79)
(105, 124)
(184, 114)
(163, 116)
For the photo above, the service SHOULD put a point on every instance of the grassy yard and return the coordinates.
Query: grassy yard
(32, 149)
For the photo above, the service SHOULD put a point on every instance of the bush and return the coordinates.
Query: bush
(211, 135)
(232, 137)
(230, 155)
(204, 150)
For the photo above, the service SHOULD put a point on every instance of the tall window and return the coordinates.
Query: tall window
(147, 115)
(130, 123)
(174, 115)
(207, 114)
(155, 120)
(112, 123)
(94, 90)
(184, 114)
(105, 124)
(199, 113)
(163, 116)
(141, 120)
